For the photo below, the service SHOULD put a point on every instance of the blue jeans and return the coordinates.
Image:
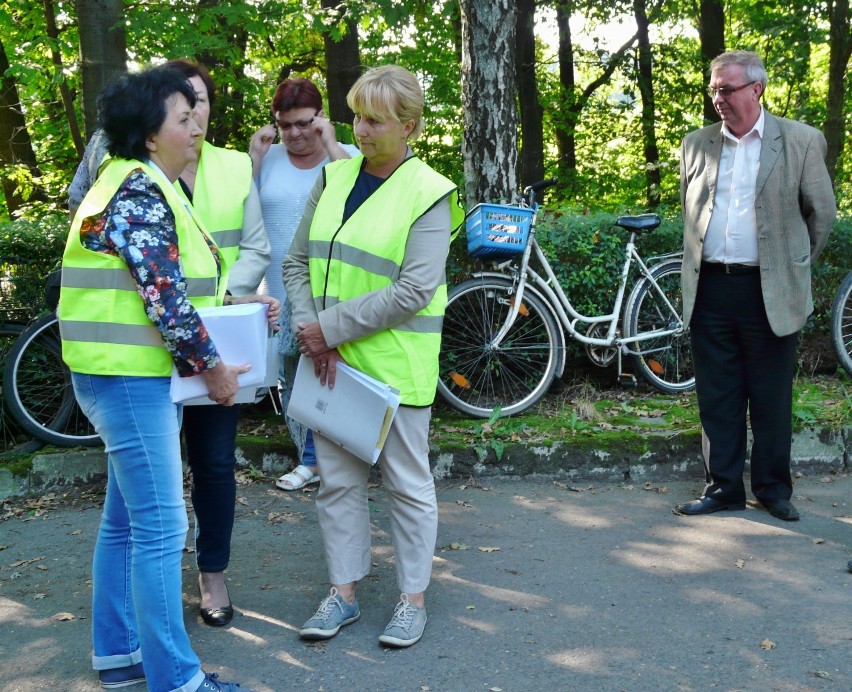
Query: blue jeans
(302, 437)
(210, 433)
(137, 601)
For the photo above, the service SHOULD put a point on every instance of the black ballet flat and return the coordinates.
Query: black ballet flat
(217, 617)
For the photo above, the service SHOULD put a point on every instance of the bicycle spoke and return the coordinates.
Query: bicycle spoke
(477, 376)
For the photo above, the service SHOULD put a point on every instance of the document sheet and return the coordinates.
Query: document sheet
(356, 414)
(240, 333)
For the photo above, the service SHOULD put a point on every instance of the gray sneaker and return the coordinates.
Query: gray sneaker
(406, 626)
(332, 614)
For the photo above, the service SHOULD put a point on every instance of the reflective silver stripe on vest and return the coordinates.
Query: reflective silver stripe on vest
(422, 324)
(200, 287)
(228, 238)
(86, 277)
(110, 333)
(121, 280)
(347, 254)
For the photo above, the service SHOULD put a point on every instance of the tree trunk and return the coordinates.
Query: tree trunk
(103, 51)
(64, 91)
(489, 84)
(646, 89)
(227, 69)
(711, 29)
(564, 119)
(16, 148)
(531, 112)
(342, 66)
(840, 49)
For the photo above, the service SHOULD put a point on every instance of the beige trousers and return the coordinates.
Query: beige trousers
(344, 515)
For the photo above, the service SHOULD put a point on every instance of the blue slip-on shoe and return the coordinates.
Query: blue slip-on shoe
(212, 683)
(406, 626)
(113, 678)
(332, 614)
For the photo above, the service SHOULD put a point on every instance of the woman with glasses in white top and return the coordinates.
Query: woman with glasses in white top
(285, 173)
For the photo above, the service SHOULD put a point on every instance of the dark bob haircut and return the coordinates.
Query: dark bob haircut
(296, 93)
(192, 68)
(134, 107)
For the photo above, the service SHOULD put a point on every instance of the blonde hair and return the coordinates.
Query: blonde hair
(386, 92)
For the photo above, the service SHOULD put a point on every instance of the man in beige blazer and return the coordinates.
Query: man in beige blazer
(758, 207)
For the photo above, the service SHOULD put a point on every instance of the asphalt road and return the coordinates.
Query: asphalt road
(536, 586)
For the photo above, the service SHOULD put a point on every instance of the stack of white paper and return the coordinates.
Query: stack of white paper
(356, 414)
(240, 334)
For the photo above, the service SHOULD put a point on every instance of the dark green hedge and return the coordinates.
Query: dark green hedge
(29, 251)
(586, 252)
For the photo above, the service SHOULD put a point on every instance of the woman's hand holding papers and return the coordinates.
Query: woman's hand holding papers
(312, 343)
(273, 314)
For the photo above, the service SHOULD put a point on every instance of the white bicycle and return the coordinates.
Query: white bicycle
(505, 330)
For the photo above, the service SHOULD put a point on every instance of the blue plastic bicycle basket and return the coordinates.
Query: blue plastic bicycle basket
(496, 231)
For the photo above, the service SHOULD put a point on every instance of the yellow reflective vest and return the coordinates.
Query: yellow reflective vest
(222, 185)
(105, 329)
(365, 254)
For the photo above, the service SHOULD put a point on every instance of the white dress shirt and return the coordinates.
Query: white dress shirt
(731, 236)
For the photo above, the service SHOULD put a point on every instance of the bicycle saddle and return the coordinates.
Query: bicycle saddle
(641, 223)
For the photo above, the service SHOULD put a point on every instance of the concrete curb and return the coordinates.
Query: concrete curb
(631, 458)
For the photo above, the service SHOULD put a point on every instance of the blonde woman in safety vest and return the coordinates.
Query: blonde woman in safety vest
(219, 184)
(136, 265)
(365, 277)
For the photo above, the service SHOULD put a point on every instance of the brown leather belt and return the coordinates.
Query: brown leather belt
(731, 269)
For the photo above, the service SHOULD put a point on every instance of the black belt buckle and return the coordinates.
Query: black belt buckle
(739, 269)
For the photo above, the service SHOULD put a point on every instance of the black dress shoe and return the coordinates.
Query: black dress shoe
(781, 509)
(706, 505)
(217, 617)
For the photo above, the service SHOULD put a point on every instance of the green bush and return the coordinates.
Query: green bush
(29, 251)
(586, 251)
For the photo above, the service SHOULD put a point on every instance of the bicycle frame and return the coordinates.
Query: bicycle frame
(562, 307)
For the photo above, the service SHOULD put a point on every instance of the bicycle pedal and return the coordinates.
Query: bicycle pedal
(625, 379)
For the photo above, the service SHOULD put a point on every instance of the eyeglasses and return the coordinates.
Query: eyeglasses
(300, 125)
(725, 91)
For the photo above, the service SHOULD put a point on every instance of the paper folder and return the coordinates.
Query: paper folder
(240, 334)
(356, 414)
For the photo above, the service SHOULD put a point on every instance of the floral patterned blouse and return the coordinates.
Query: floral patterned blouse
(139, 226)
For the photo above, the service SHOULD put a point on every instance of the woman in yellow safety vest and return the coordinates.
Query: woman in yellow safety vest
(220, 186)
(365, 277)
(136, 266)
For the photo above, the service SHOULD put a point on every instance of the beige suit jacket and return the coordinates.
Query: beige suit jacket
(795, 208)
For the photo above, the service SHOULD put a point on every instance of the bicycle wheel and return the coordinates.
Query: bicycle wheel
(37, 388)
(841, 323)
(475, 378)
(666, 361)
(9, 332)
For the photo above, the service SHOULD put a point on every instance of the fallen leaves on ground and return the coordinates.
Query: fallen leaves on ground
(62, 617)
(21, 563)
(488, 549)
(740, 564)
(767, 644)
(279, 517)
(457, 545)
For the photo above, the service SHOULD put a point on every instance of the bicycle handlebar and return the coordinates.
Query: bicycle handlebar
(531, 190)
(541, 185)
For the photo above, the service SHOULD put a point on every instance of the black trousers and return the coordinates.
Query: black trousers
(742, 371)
